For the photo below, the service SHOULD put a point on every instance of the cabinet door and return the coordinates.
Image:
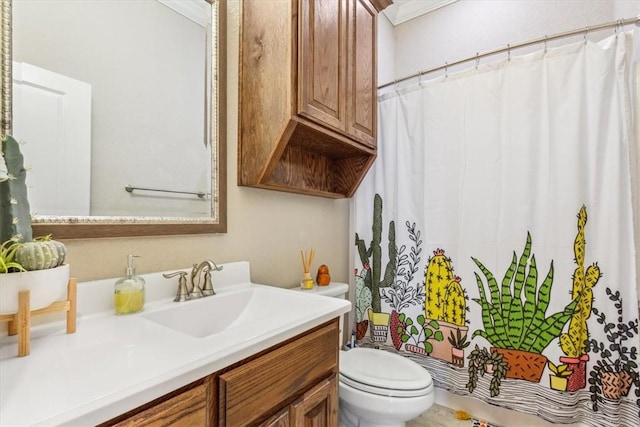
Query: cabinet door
(318, 407)
(322, 50)
(281, 419)
(361, 94)
(261, 386)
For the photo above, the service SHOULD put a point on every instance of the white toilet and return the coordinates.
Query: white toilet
(378, 388)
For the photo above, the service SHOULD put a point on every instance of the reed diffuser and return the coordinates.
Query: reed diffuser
(307, 281)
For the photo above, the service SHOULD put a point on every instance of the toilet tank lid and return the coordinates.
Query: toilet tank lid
(384, 369)
(333, 289)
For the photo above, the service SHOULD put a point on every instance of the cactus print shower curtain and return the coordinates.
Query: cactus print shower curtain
(494, 234)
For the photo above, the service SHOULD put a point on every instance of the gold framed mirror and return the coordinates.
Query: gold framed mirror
(214, 220)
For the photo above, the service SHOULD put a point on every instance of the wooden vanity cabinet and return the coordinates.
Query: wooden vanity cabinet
(291, 384)
(299, 378)
(307, 121)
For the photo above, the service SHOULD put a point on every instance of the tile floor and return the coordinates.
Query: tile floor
(439, 416)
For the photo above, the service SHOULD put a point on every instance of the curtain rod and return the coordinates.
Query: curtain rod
(477, 56)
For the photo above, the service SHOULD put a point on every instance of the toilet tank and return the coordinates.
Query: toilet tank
(333, 290)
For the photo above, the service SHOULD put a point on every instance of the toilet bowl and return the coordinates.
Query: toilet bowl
(378, 388)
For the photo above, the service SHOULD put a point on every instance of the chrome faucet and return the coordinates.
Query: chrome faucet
(196, 291)
(183, 291)
(205, 267)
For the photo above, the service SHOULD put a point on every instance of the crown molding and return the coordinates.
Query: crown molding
(195, 10)
(404, 10)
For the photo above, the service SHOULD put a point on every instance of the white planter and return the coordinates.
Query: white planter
(46, 286)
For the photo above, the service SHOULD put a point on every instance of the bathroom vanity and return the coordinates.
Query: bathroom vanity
(293, 383)
(265, 356)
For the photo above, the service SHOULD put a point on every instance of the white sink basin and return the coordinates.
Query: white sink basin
(217, 313)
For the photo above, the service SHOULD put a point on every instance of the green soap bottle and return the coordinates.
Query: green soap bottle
(128, 295)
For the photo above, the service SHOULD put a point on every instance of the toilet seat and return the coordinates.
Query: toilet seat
(383, 373)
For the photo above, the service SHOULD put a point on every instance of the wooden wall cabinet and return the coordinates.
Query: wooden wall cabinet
(290, 384)
(307, 119)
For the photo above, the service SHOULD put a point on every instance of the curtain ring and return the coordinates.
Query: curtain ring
(477, 60)
(618, 28)
(446, 70)
(396, 86)
(545, 43)
(508, 52)
(586, 32)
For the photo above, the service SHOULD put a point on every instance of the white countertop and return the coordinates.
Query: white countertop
(113, 364)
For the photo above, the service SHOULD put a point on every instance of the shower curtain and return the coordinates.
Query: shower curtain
(494, 234)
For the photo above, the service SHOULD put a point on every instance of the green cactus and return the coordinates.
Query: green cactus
(372, 257)
(15, 216)
(574, 342)
(445, 298)
(363, 297)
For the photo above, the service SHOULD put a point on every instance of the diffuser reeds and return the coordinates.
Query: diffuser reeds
(307, 281)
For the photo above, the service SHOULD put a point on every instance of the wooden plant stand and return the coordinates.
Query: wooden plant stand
(20, 322)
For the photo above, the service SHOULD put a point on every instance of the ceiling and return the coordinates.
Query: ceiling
(403, 10)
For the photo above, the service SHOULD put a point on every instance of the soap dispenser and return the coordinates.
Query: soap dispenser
(129, 291)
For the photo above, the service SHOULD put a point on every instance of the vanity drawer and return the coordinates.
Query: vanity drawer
(259, 387)
(190, 407)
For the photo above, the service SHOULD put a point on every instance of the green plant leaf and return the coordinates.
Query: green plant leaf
(491, 282)
(438, 336)
(530, 288)
(505, 299)
(550, 329)
(544, 294)
(428, 347)
(420, 319)
(414, 330)
(520, 272)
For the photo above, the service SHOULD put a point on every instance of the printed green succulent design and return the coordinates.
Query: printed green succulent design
(512, 322)
(479, 361)
(421, 333)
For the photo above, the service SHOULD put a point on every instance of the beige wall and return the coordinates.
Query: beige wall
(266, 228)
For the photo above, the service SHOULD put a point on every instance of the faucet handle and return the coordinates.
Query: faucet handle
(183, 291)
(207, 289)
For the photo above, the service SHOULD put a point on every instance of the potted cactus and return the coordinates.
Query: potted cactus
(574, 343)
(445, 302)
(363, 303)
(374, 280)
(25, 263)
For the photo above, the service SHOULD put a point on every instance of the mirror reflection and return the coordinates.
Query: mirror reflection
(111, 94)
(156, 130)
